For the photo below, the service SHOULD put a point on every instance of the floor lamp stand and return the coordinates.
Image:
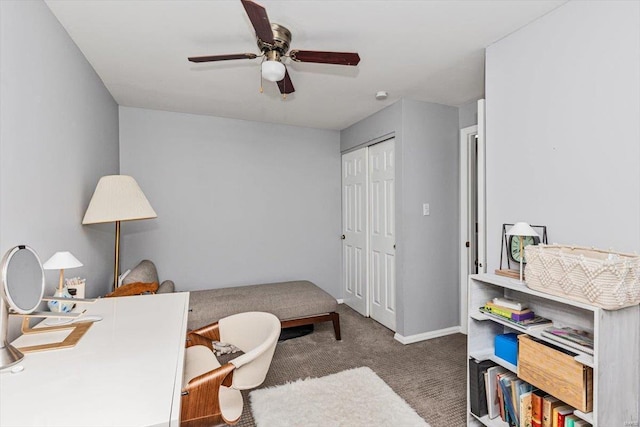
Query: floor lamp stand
(116, 265)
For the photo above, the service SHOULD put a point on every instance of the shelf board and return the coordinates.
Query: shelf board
(587, 416)
(489, 422)
(536, 332)
(488, 355)
(518, 286)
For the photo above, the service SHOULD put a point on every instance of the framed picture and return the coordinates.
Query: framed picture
(511, 244)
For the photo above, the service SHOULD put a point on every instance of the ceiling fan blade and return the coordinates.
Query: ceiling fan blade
(259, 19)
(338, 58)
(212, 58)
(285, 85)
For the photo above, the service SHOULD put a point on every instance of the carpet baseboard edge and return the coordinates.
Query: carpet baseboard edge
(426, 335)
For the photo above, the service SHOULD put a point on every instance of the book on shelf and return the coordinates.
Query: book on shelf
(477, 392)
(491, 387)
(525, 409)
(559, 415)
(581, 423)
(570, 420)
(509, 303)
(549, 403)
(509, 409)
(508, 312)
(578, 339)
(536, 408)
(537, 321)
(515, 395)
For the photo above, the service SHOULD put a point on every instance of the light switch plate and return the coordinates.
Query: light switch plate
(425, 209)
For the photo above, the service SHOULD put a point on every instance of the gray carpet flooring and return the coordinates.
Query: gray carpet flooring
(429, 375)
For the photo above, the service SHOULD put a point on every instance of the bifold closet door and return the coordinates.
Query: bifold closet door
(382, 235)
(354, 228)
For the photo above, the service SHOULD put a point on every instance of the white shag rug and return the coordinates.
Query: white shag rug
(353, 398)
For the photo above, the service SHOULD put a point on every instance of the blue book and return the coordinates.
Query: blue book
(505, 384)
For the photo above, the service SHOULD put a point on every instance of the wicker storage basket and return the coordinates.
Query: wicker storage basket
(602, 278)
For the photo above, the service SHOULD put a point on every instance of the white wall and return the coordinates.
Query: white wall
(238, 202)
(563, 127)
(58, 135)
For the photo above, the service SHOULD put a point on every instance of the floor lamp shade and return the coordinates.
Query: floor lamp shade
(117, 198)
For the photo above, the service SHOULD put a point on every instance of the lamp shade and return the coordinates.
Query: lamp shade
(521, 229)
(61, 260)
(273, 71)
(117, 198)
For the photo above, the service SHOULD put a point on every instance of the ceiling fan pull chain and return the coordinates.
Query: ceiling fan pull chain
(261, 80)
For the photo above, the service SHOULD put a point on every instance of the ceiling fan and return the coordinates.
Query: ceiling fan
(273, 41)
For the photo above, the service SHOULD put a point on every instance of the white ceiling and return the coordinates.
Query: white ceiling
(425, 50)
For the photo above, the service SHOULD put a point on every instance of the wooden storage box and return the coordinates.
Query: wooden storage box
(556, 373)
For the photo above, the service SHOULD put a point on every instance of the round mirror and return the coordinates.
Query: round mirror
(22, 279)
(22, 289)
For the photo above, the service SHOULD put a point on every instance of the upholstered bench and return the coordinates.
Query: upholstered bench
(295, 303)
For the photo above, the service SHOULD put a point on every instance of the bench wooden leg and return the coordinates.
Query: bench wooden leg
(333, 316)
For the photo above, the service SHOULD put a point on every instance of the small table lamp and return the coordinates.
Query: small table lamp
(60, 261)
(117, 198)
(521, 229)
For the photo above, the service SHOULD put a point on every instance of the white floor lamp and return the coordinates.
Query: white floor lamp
(117, 198)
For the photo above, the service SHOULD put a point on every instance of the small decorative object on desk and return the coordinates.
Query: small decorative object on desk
(60, 261)
(76, 286)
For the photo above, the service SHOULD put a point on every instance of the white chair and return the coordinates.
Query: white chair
(210, 391)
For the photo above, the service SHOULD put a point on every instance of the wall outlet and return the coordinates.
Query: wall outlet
(425, 209)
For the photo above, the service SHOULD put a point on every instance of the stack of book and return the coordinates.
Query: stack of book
(519, 404)
(514, 312)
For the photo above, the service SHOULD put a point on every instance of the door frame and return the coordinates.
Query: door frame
(481, 194)
(465, 145)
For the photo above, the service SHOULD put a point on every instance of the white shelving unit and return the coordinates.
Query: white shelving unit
(615, 360)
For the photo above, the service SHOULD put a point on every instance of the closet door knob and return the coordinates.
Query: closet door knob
(343, 237)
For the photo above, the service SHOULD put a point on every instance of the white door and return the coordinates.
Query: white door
(354, 226)
(382, 236)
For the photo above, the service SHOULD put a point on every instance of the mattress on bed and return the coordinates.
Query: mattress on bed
(287, 300)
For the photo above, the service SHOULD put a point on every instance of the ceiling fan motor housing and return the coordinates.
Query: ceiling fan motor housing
(281, 42)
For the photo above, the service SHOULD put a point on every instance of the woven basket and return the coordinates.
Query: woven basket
(605, 279)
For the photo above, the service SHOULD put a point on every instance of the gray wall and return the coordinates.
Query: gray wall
(58, 135)
(430, 174)
(468, 114)
(563, 128)
(238, 202)
(426, 149)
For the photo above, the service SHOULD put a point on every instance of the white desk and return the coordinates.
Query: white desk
(125, 371)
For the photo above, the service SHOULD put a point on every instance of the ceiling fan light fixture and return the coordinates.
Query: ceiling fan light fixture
(273, 70)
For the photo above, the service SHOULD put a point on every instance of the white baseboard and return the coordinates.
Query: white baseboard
(340, 301)
(427, 335)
